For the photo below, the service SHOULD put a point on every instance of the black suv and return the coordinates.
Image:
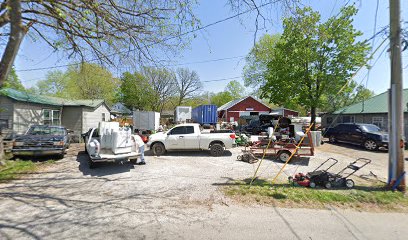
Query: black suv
(367, 135)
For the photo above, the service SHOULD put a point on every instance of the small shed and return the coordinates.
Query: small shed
(246, 106)
(19, 110)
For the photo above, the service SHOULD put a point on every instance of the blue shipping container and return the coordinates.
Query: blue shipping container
(205, 114)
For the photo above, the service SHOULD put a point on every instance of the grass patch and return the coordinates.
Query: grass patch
(287, 195)
(14, 169)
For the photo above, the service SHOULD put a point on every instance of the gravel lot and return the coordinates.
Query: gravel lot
(177, 196)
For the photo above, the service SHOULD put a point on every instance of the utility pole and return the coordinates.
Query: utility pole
(396, 110)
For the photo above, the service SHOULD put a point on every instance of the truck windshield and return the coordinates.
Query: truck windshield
(370, 128)
(45, 130)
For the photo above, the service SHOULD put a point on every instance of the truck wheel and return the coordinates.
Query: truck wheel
(284, 156)
(159, 149)
(216, 150)
(328, 185)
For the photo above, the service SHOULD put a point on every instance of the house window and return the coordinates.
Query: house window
(103, 117)
(378, 121)
(348, 119)
(51, 117)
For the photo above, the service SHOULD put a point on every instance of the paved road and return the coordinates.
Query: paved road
(172, 197)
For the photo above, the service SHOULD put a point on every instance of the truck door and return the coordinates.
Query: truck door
(175, 138)
(191, 139)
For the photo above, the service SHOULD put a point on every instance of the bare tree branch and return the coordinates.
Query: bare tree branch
(109, 31)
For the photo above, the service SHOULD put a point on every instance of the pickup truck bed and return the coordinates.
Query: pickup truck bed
(113, 144)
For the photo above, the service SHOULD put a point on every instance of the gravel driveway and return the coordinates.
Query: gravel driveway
(176, 196)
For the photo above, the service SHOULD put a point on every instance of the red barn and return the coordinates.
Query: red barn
(247, 106)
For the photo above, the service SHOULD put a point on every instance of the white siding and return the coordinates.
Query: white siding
(6, 111)
(91, 117)
(26, 114)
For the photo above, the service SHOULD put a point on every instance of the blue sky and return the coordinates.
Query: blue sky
(234, 38)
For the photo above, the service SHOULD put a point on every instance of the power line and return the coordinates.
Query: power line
(212, 80)
(152, 44)
(373, 42)
(222, 79)
(168, 65)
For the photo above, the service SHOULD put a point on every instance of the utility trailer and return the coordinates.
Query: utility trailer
(110, 143)
(283, 149)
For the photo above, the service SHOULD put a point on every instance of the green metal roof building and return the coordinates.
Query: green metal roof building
(19, 110)
(373, 110)
(373, 105)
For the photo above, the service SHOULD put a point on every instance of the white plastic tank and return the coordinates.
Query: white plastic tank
(182, 114)
(105, 132)
(122, 141)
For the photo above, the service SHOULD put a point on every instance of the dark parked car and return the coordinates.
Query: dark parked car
(254, 127)
(368, 135)
(40, 140)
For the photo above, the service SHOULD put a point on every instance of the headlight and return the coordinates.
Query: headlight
(61, 143)
(385, 137)
(16, 144)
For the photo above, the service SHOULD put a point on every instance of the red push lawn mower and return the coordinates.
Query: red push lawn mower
(320, 177)
(305, 179)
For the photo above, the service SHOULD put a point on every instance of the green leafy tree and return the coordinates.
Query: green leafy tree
(14, 82)
(149, 89)
(314, 60)
(221, 98)
(55, 84)
(351, 94)
(91, 81)
(136, 91)
(258, 59)
(164, 84)
(235, 89)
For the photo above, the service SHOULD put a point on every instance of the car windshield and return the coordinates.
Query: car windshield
(370, 128)
(46, 130)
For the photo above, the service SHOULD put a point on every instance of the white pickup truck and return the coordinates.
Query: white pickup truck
(109, 142)
(190, 137)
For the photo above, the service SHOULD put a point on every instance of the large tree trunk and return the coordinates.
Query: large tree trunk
(17, 32)
(313, 118)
